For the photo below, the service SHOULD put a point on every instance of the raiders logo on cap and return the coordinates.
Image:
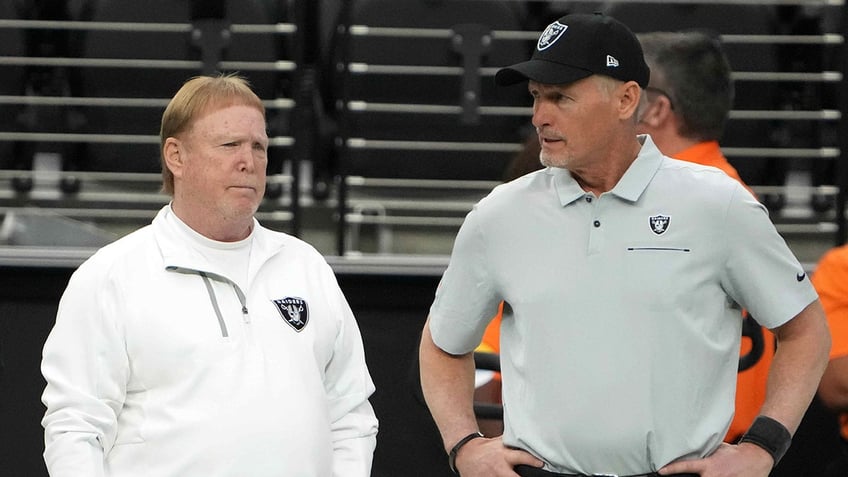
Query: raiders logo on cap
(551, 35)
(659, 223)
(294, 311)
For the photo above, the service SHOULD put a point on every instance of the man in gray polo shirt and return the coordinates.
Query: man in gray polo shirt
(623, 272)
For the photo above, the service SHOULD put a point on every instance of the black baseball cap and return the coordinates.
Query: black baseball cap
(577, 46)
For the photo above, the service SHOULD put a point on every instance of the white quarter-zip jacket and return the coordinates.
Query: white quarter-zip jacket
(161, 365)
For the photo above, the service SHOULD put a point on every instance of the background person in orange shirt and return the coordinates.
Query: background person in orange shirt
(686, 104)
(831, 282)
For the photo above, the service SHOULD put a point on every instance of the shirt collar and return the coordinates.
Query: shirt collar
(637, 177)
(629, 187)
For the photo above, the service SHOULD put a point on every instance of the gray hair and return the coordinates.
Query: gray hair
(692, 69)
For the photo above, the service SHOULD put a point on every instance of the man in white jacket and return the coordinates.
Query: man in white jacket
(205, 344)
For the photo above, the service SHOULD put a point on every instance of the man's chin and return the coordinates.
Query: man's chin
(550, 160)
(246, 206)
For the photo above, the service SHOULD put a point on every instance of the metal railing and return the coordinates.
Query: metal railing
(386, 205)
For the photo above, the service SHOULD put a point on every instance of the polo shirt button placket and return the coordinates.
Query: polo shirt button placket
(596, 239)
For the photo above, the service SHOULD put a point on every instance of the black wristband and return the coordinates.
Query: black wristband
(769, 434)
(455, 449)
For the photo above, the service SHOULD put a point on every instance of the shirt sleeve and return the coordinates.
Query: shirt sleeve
(348, 384)
(466, 298)
(85, 367)
(761, 273)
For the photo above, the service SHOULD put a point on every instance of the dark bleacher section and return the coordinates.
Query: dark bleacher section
(43, 78)
(392, 101)
(11, 80)
(414, 97)
(805, 96)
(430, 56)
(85, 84)
(171, 52)
(140, 154)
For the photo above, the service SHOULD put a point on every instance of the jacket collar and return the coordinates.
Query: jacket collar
(177, 253)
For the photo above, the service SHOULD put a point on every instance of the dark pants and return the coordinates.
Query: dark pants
(527, 471)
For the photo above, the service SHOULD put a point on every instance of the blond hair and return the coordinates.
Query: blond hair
(195, 98)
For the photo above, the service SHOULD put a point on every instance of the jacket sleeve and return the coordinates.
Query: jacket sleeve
(86, 369)
(349, 385)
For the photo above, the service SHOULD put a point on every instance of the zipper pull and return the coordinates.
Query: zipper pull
(245, 315)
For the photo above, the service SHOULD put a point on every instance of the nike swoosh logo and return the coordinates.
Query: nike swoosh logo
(800, 276)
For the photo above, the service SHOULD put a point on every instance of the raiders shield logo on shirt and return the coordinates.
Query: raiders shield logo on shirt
(659, 223)
(294, 311)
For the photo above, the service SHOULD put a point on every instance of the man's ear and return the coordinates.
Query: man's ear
(649, 116)
(629, 99)
(657, 112)
(662, 106)
(173, 151)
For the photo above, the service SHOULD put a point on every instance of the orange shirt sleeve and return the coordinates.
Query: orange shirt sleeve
(831, 282)
(751, 387)
(492, 336)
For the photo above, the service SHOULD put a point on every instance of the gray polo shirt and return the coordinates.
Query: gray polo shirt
(620, 339)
